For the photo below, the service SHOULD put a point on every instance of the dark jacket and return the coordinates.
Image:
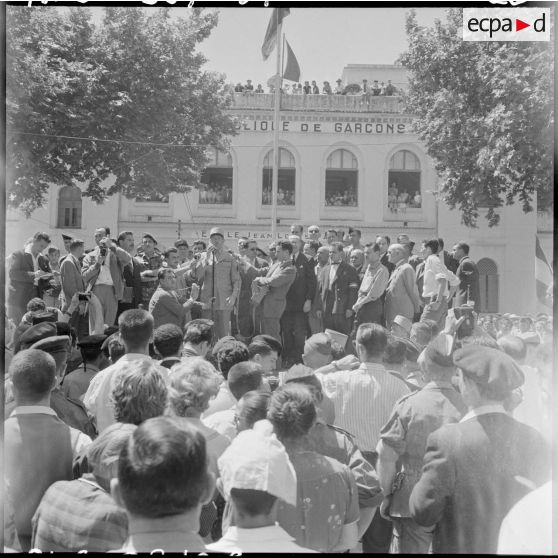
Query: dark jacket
(340, 295)
(468, 274)
(388, 265)
(473, 473)
(21, 288)
(304, 285)
(132, 278)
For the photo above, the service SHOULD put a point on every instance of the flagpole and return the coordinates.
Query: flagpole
(277, 108)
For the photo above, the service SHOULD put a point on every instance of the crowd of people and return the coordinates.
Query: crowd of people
(215, 193)
(375, 89)
(314, 395)
(399, 201)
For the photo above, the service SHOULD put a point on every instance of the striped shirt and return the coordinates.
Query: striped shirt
(78, 515)
(363, 400)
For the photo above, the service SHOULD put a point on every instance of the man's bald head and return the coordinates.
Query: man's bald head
(396, 252)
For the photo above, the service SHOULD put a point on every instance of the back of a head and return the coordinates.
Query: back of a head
(231, 353)
(252, 503)
(395, 351)
(139, 393)
(103, 452)
(116, 349)
(317, 351)
(136, 328)
(514, 347)
(292, 411)
(244, 377)
(421, 334)
(193, 383)
(373, 338)
(198, 331)
(253, 406)
(162, 469)
(258, 348)
(33, 373)
(167, 339)
(269, 340)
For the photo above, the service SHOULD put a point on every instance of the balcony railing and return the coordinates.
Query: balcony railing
(338, 103)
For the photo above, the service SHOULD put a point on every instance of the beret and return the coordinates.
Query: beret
(216, 230)
(222, 343)
(319, 342)
(493, 370)
(36, 333)
(92, 342)
(106, 342)
(67, 237)
(181, 242)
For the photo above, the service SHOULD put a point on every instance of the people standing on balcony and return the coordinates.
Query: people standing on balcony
(339, 89)
(248, 88)
(307, 89)
(238, 88)
(326, 89)
(365, 92)
(259, 89)
(390, 89)
(375, 90)
(315, 88)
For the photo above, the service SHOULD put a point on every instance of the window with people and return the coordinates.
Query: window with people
(404, 182)
(287, 178)
(341, 181)
(217, 179)
(69, 207)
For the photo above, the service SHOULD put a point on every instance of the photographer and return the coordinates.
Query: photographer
(102, 271)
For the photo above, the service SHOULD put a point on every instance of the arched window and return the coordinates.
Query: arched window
(341, 180)
(69, 208)
(287, 178)
(404, 182)
(488, 282)
(217, 179)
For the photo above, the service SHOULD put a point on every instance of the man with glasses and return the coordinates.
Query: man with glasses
(314, 234)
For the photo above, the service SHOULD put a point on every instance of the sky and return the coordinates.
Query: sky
(324, 40)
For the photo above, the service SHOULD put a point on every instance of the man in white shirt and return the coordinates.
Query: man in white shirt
(136, 331)
(440, 284)
(256, 473)
(363, 400)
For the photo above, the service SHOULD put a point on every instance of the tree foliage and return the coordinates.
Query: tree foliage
(485, 113)
(136, 78)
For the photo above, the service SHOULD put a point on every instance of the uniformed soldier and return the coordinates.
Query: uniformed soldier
(403, 442)
(218, 270)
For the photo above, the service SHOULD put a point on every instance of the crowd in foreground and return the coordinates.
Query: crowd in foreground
(266, 404)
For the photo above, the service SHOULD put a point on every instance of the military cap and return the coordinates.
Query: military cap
(404, 322)
(221, 343)
(36, 333)
(45, 316)
(92, 342)
(180, 242)
(53, 344)
(298, 372)
(147, 235)
(496, 373)
(67, 237)
(216, 230)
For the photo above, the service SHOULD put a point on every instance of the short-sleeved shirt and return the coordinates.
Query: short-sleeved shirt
(363, 400)
(327, 499)
(413, 419)
(79, 515)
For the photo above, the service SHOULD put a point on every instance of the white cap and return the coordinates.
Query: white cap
(257, 460)
(404, 322)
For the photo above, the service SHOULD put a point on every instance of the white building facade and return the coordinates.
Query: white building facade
(344, 161)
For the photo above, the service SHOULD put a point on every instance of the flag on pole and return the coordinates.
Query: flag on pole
(543, 276)
(270, 39)
(292, 69)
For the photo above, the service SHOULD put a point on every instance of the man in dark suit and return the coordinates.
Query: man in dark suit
(131, 274)
(279, 278)
(476, 470)
(384, 242)
(338, 284)
(468, 273)
(449, 261)
(24, 275)
(299, 302)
